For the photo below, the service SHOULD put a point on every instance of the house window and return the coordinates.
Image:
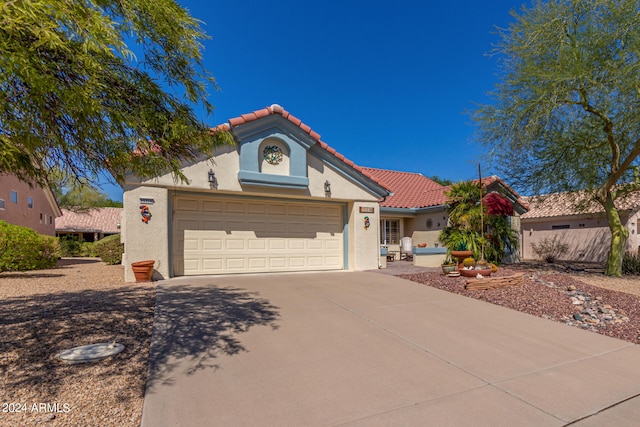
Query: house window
(30, 202)
(1, 203)
(50, 220)
(389, 232)
(560, 227)
(14, 197)
(41, 218)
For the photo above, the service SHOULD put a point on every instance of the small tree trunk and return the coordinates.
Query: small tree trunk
(619, 236)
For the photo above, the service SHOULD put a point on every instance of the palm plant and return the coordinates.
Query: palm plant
(471, 227)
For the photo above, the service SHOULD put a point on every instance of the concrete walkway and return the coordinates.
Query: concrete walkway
(367, 349)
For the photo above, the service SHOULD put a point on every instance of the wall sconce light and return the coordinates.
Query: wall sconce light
(327, 188)
(213, 182)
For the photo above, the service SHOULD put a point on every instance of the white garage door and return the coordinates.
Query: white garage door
(219, 236)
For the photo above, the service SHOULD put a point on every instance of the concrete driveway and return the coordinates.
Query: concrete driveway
(366, 349)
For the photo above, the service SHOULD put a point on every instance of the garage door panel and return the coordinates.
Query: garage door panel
(235, 207)
(277, 244)
(214, 264)
(235, 244)
(212, 244)
(296, 210)
(237, 264)
(277, 263)
(188, 204)
(212, 206)
(233, 236)
(277, 227)
(297, 244)
(297, 262)
(276, 209)
(258, 227)
(334, 261)
(257, 208)
(257, 245)
(210, 224)
(332, 245)
(191, 244)
(315, 244)
(258, 263)
(315, 261)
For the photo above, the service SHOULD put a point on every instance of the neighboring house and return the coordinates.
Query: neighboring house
(584, 229)
(280, 199)
(29, 206)
(89, 225)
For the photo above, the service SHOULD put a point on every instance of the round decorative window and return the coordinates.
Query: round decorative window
(272, 154)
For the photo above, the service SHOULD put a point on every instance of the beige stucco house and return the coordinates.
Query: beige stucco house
(278, 200)
(572, 219)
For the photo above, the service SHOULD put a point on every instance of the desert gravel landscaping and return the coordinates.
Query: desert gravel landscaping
(581, 297)
(85, 301)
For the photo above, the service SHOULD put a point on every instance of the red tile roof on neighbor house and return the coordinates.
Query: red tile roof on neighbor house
(97, 220)
(577, 203)
(410, 190)
(277, 109)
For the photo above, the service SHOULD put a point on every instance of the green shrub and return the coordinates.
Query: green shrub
(23, 249)
(110, 249)
(87, 250)
(69, 246)
(631, 263)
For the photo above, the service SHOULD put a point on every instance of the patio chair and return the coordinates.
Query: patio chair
(406, 249)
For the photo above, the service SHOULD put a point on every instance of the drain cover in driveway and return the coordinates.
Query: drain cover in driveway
(90, 353)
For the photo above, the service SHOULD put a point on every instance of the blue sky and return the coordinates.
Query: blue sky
(386, 84)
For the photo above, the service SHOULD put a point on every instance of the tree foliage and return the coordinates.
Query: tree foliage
(441, 181)
(74, 95)
(78, 194)
(565, 116)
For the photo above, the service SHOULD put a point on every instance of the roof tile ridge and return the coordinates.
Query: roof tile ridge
(396, 171)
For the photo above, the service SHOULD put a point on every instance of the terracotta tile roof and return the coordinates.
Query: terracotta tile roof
(98, 220)
(568, 204)
(410, 190)
(277, 109)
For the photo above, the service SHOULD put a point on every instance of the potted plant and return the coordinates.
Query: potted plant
(449, 265)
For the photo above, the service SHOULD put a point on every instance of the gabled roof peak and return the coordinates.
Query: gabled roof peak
(279, 110)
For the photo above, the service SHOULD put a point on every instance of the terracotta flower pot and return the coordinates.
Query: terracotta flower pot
(461, 255)
(143, 270)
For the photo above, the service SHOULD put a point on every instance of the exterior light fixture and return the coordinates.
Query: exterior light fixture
(327, 188)
(213, 182)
